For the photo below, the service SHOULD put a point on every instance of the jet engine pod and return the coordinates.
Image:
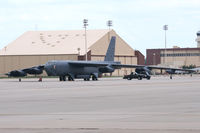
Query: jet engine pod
(17, 73)
(170, 71)
(34, 71)
(143, 70)
(106, 69)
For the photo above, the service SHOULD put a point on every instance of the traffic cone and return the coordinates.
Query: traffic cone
(40, 79)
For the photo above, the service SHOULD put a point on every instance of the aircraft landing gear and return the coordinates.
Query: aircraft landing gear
(171, 76)
(62, 78)
(94, 78)
(86, 79)
(70, 78)
(20, 79)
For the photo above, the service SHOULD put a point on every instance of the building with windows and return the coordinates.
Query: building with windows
(176, 56)
(37, 47)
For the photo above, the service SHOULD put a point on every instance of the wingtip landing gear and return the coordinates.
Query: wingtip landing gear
(171, 76)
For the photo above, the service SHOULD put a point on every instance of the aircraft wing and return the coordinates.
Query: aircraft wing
(150, 67)
(127, 66)
(169, 68)
(119, 66)
(23, 72)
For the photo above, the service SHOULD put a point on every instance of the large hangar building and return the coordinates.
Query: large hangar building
(37, 47)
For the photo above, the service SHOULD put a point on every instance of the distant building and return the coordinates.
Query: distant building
(140, 57)
(37, 47)
(176, 57)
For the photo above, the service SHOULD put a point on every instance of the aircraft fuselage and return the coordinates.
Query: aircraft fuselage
(63, 68)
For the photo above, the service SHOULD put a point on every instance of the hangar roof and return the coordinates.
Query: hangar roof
(53, 42)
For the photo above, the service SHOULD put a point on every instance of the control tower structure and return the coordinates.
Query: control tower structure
(198, 39)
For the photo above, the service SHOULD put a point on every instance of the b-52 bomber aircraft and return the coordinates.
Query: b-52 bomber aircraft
(84, 69)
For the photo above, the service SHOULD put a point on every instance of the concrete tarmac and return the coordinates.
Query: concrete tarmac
(110, 105)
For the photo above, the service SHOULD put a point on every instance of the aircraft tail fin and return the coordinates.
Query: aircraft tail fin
(111, 50)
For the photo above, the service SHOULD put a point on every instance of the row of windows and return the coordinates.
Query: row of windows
(181, 54)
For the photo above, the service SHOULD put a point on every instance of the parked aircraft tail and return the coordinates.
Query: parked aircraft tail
(111, 50)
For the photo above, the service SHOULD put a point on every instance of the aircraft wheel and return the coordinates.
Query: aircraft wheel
(94, 78)
(139, 78)
(64, 78)
(70, 79)
(86, 79)
(60, 78)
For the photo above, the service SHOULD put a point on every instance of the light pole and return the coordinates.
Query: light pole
(109, 24)
(85, 24)
(165, 28)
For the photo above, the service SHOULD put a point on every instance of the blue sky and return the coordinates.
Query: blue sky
(138, 22)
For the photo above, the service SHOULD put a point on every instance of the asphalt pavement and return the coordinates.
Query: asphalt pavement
(109, 105)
